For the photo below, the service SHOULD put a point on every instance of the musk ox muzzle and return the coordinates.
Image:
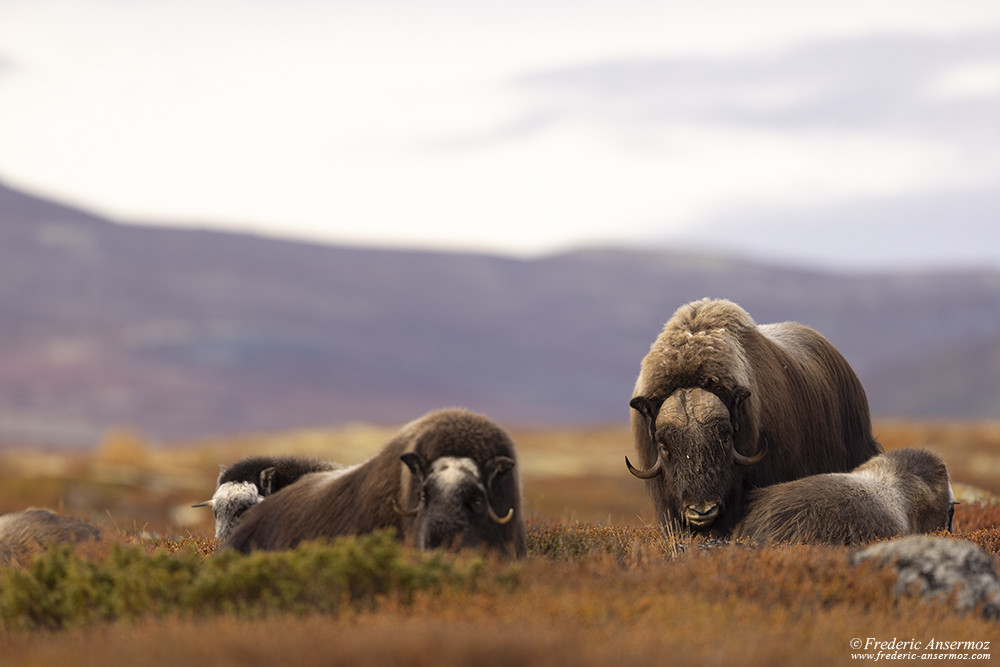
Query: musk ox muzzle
(702, 514)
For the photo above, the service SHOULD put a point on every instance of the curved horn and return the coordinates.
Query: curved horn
(207, 503)
(657, 469)
(406, 514)
(499, 519)
(750, 460)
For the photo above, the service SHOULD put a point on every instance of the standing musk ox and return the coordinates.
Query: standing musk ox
(250, 480)
(723, 406)
(25, 533)
(448, 479)
(897, 493)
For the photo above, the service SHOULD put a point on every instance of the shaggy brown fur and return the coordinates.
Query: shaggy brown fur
(715, 383)
(273, 473)
(898, 493)
(23, 534)
(361, 499)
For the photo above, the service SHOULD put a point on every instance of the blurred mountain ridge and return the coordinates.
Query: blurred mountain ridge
(187, 332)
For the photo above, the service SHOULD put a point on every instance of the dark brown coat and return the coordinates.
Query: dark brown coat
(446, 479)
(900, 492)
(25, 533)
(723, 406)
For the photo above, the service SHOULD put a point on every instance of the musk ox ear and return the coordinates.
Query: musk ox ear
(267, 480)
(648, 408)
(496, 467)
(417, 465)
(740, 394)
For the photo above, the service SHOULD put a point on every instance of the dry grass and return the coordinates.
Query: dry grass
(600, 586)
(714, 606)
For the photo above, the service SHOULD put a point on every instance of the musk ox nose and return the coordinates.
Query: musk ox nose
(701, 514)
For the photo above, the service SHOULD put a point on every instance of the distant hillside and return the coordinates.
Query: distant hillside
(184, 333)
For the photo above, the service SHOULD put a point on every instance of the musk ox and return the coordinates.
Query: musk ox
(723, 406)
(251, 479)
(25, 533)
(897, 493)
(448, 479)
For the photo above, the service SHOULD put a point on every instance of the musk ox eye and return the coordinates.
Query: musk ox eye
(476, 505)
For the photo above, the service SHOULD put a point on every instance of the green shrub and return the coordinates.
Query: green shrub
(60, 589)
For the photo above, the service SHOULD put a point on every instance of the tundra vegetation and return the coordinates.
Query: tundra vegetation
(601, 584)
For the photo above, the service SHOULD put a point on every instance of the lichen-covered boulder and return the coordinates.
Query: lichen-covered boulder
(938, 567)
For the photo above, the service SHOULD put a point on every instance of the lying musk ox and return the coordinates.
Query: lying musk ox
(897, 493)
(25, 533)
(250, 480)
(723, 406)
(448, 479)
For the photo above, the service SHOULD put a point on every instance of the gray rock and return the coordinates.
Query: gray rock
(936, 567)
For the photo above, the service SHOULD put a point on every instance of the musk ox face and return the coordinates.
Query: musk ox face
(696, 458)
(228, 502)
(455, 497)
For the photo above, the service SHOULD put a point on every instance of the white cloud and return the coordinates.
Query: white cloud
(968, 80)
(410, 123)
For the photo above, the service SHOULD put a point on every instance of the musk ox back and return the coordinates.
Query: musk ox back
(723, 406)
(25, 533)
(448, 479)
(251, 479)
(897, 493)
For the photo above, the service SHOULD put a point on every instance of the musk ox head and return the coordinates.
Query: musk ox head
(454, 507)
(228, 502)
(924, 486)
(693, 431)
(461, 486)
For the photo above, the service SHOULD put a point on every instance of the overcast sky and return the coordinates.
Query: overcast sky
(838, 134)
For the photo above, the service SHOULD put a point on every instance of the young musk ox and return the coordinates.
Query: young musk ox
(448, 479)
(723, 406)
(897, 493)
(25, 533)
(251, 479)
